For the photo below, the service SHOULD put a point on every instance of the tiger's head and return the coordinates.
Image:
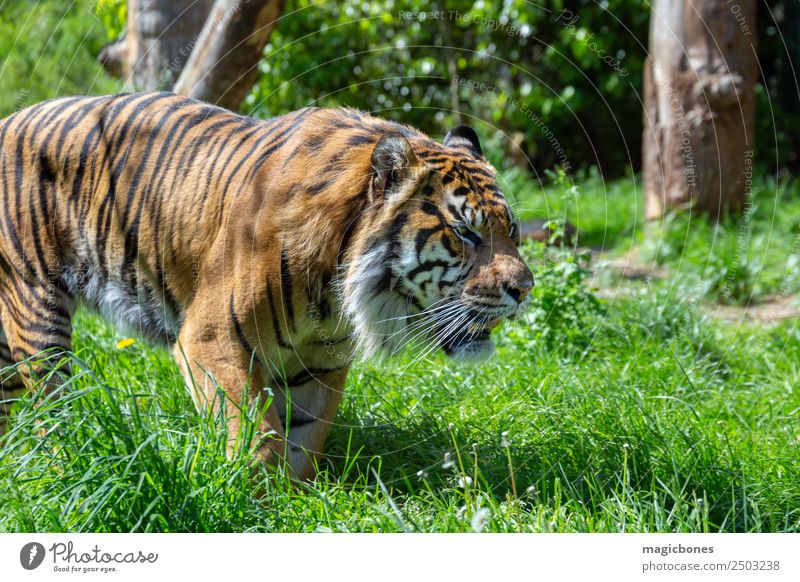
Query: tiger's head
(437, 260)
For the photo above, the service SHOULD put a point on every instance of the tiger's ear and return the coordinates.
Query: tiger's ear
(392, 161)
(464, 136)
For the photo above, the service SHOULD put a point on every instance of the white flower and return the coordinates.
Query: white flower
(480, 518)
(464, 481)
(448, 461)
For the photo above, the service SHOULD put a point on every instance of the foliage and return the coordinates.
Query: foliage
(743, 259)
(777, 122)
(531, 73)
(563, 307)
(48, 49)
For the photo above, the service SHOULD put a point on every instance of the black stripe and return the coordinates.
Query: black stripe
(189, 153)
(19, 173)
(295, 422)
(428, 266)
(249, 350)
(360, 139)
(276, 326)
(346, 238)
(314, 144)
(483, 173)
(119, 139)
(58, 342)
(269, 134)
(231, 150)
(429, 207)
(106, 207)
(332, 165)
(384, 282)
(138, 174)
(8, 390)
(309, 374)
(156, 205)
(315, 189)
(435, 157)
(286, 288)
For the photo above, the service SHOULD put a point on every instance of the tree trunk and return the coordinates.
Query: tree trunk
(205, 49)
(224, 64)
(699, 92)
(160, 37)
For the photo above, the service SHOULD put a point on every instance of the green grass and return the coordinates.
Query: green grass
(632, 413)
(606, 214)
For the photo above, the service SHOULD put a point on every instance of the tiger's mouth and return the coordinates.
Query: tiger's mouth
(474, 343)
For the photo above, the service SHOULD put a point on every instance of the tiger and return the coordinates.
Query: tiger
(268, 254)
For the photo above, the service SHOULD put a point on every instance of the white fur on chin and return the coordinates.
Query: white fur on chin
(474, 352)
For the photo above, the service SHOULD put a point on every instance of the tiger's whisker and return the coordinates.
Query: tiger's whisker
(425, 326)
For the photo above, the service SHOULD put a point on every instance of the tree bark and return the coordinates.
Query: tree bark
(206, 49)
(224, 65)
(699, 92)
(160, 38)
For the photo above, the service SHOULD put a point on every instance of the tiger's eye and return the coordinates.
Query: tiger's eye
(465, 233)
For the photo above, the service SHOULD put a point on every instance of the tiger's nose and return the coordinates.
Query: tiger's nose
(519, 290)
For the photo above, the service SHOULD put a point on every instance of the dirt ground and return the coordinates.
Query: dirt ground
(769, 310)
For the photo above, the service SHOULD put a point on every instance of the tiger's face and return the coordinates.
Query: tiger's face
(441, 266)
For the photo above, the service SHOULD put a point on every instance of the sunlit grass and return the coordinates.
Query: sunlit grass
(666, 422)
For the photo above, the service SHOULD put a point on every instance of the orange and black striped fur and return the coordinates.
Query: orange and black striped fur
(266, 253)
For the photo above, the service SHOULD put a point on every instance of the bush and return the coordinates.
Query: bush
(528, 77)
(48, 50)
(563, 306)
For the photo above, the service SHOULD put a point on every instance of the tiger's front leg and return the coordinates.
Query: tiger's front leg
(215, 352)
(220, 371)
(308, 411)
